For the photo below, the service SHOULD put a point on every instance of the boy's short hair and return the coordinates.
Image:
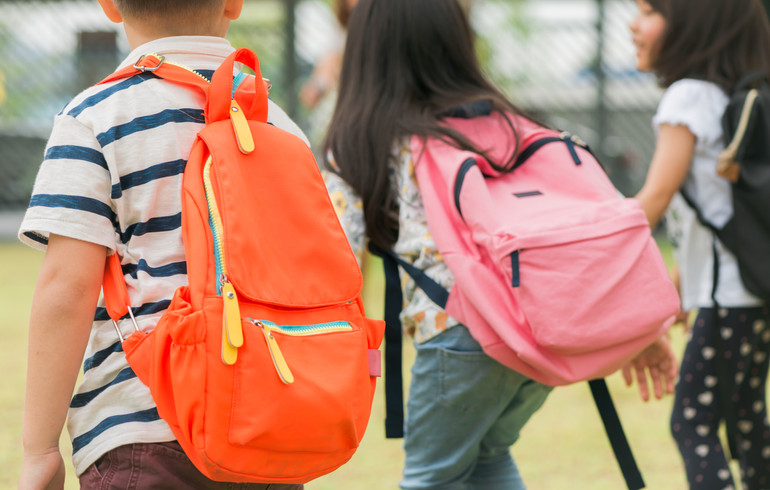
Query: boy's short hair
(174, 10)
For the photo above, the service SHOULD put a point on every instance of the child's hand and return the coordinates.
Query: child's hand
(659, 360)
(42, 471)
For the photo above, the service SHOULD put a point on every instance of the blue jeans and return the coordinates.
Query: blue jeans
(464, 412)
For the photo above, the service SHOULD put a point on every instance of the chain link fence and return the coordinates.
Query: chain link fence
(570, 62)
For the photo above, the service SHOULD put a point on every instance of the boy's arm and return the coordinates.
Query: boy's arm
(63, 309)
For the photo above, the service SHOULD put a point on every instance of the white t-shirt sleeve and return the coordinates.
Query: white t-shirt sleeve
(71, 195)
(696, 104)
(279, 118)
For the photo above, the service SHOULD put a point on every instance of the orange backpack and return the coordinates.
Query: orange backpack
(264, 366)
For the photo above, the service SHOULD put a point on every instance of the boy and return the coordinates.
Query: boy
(111, 182)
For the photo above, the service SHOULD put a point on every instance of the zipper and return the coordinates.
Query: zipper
(232, 329)
(268, 328)
(215, 222)
(188, 69)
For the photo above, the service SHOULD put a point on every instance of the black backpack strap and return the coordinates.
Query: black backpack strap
(394, 390)
(439, 295)
(723, 378)
(725, 394)
(432, 289)
(394, 383)
(616, 435)
(698, 214)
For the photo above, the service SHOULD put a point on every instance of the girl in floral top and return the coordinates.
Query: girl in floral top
(406, 64)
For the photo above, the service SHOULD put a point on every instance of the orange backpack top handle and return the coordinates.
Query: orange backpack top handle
(220, 95)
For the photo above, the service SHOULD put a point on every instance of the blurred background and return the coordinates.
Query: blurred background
(570, 62)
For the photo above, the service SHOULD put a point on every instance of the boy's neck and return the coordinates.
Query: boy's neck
(138, 35)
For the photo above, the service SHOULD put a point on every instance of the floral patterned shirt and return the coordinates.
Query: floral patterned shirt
(420, 316)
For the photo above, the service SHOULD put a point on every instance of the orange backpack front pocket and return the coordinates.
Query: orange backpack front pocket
(306, 371)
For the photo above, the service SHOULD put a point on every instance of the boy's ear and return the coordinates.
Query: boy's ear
(111, 11)
(233, 8)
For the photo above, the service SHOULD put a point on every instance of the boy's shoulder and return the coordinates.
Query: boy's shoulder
(131, 97)
(280, 119)
(103, 101)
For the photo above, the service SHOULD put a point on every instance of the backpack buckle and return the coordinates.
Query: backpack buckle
(133, 320)
(143, 68)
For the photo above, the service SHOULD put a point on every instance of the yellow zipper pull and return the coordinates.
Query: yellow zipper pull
(232, 315)
(275, 352)
(241, 128)
(232, 329)
(229, 353)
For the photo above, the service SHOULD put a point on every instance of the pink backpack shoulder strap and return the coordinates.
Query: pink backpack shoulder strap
(441, 169)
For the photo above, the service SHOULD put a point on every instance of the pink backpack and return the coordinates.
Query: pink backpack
(557, 276)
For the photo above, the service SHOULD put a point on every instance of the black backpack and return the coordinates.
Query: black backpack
(746, 163)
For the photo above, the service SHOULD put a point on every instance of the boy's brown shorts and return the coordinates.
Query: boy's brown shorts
(157, 466)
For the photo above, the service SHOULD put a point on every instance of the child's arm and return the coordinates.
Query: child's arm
(683, 316)
(668, 169)
(63, 307)
(670, 163)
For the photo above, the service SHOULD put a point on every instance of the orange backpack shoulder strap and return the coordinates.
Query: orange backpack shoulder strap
(158, 65)
(252, 93)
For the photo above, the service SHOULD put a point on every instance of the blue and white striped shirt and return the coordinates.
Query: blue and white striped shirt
(112, 175)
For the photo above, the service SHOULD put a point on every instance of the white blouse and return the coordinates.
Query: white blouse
(699, 106)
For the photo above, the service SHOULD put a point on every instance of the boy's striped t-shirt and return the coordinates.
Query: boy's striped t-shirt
(111, 175)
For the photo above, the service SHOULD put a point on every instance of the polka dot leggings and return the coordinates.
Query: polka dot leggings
(696, 415)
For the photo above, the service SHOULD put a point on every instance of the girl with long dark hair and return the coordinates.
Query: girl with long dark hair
(407, 64)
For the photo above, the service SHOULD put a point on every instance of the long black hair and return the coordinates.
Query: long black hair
(406, 62)
(717, 40)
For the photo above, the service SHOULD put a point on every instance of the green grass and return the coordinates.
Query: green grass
(563, 447)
